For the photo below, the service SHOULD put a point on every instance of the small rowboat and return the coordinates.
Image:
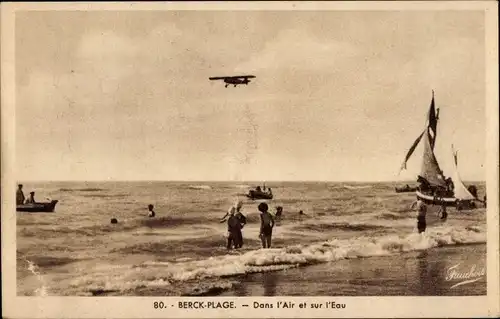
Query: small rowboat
(254, 194)
(44, 207)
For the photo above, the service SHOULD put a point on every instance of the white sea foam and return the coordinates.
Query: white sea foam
(154, 274)
(271, 259)
(42, 289)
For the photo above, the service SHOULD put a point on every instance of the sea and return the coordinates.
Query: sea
(352, 239)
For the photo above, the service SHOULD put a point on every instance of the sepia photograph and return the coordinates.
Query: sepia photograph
(250, 153)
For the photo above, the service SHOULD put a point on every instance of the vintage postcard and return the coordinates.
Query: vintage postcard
(250, 159)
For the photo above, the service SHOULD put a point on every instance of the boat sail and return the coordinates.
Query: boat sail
(430, 167)
(435, 188)
(461, 192)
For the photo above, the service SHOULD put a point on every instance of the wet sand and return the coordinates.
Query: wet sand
(421, 273)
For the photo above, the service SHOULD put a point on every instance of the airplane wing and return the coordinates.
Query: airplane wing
(243, 77)
(232, 77)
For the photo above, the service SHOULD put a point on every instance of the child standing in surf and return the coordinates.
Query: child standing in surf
(266, 225)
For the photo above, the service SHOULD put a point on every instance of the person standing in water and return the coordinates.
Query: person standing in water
(279, 212)
(20, 195)
(421, 214)
(444, 213)
(235, 222)
(151, 212)
(242, 220)
(266, 225)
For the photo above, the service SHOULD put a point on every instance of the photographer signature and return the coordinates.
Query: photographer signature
(472, 275)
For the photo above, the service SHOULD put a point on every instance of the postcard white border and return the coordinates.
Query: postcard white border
(141, 307)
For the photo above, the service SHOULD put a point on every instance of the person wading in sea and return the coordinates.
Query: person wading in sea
(444, 213)
(266, 225)
(421, 214)
(20, 195)
(151, 212)
(235, 223)
(279, 212)
(242, 220)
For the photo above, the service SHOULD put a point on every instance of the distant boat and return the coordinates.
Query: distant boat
(434, 188)
(405, 189)
(44, 207)
(258, 193)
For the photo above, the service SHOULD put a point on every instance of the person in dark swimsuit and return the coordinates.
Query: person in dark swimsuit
(266, 225)
(234, 231)
(421, 214)
(151, 212)
(444, 213)
(279, 212)
(235, 223)
(242, 220)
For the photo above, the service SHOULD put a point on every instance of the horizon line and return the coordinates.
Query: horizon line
(232, 181)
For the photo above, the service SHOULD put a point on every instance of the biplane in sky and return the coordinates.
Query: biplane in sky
(234, 80)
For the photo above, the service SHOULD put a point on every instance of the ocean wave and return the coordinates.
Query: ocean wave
(41, 288)
(174, 274)
(172, 221)
(105, 195)
(163, 287)
(339, 226)
(391, 216)
(46, 261)
(281, 258)
(208, 288)
(242, 186)
(51, 230)
(356, 187)
(188, 245)
(199, 187)
(86, 189)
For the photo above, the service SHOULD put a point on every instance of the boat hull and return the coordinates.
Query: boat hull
(446, 201)
(405, 189)
(38, 207)
(252, 194)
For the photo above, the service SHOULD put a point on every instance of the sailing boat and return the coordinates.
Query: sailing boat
(435, 188)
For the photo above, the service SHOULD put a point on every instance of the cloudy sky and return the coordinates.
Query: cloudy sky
(338, 96)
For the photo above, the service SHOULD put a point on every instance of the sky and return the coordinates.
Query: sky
(338, 95)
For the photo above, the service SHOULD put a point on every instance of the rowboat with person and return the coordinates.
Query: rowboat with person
(30, 205)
